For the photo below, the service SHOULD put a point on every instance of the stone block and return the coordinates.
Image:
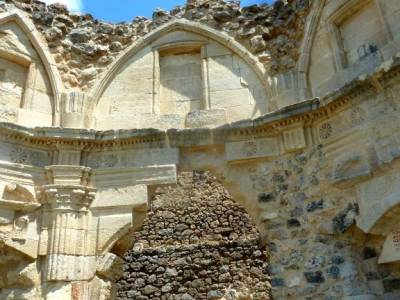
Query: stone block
(34, 119)
(69, 268)
(110, 266)
(231, 98)
(215, 49)
(74, 110)
(151, 175)
(257, 148)
(294, 139)
(108, 226)
(136, 158)
(129, 196)
(377, 196)
(57, 290)
(351, 166)
(206, 118)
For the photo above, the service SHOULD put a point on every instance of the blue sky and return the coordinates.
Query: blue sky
(126, 10)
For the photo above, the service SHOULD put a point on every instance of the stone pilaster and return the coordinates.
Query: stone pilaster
(65, 240)
(65, 227)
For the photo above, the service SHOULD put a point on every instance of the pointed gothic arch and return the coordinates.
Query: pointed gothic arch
(303, 64)
(175, 25)
(28, 28)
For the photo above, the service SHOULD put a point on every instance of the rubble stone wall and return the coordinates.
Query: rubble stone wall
(195, 244)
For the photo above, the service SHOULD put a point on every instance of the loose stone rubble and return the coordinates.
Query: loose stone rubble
(293, 109)
(196, 243)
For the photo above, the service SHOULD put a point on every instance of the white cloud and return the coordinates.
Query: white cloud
(73, 5)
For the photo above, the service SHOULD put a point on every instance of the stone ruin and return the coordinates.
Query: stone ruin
(210, 152)
(195, 244)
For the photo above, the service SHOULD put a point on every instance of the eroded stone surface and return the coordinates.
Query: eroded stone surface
(318, 178)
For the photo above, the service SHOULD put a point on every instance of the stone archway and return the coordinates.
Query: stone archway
(196, 243)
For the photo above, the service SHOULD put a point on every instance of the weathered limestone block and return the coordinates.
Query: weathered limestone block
(102, 289)
(256, 148)
(131, 159)
(115, 211)
(75, 110)
(56, 291)
(110, 266)
(24, 276)
(351, 166)
(206, 118)
(377, 197)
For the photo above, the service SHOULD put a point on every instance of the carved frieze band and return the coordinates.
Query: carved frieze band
(334, 127)
(291, 139)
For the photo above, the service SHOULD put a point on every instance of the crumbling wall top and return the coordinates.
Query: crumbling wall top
(83, 47)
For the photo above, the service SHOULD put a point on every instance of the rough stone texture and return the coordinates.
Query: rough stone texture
(319, 178)
(195, 241)
(83, 46)
(199, 209)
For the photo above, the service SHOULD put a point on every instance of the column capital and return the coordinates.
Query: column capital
(70, 197)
